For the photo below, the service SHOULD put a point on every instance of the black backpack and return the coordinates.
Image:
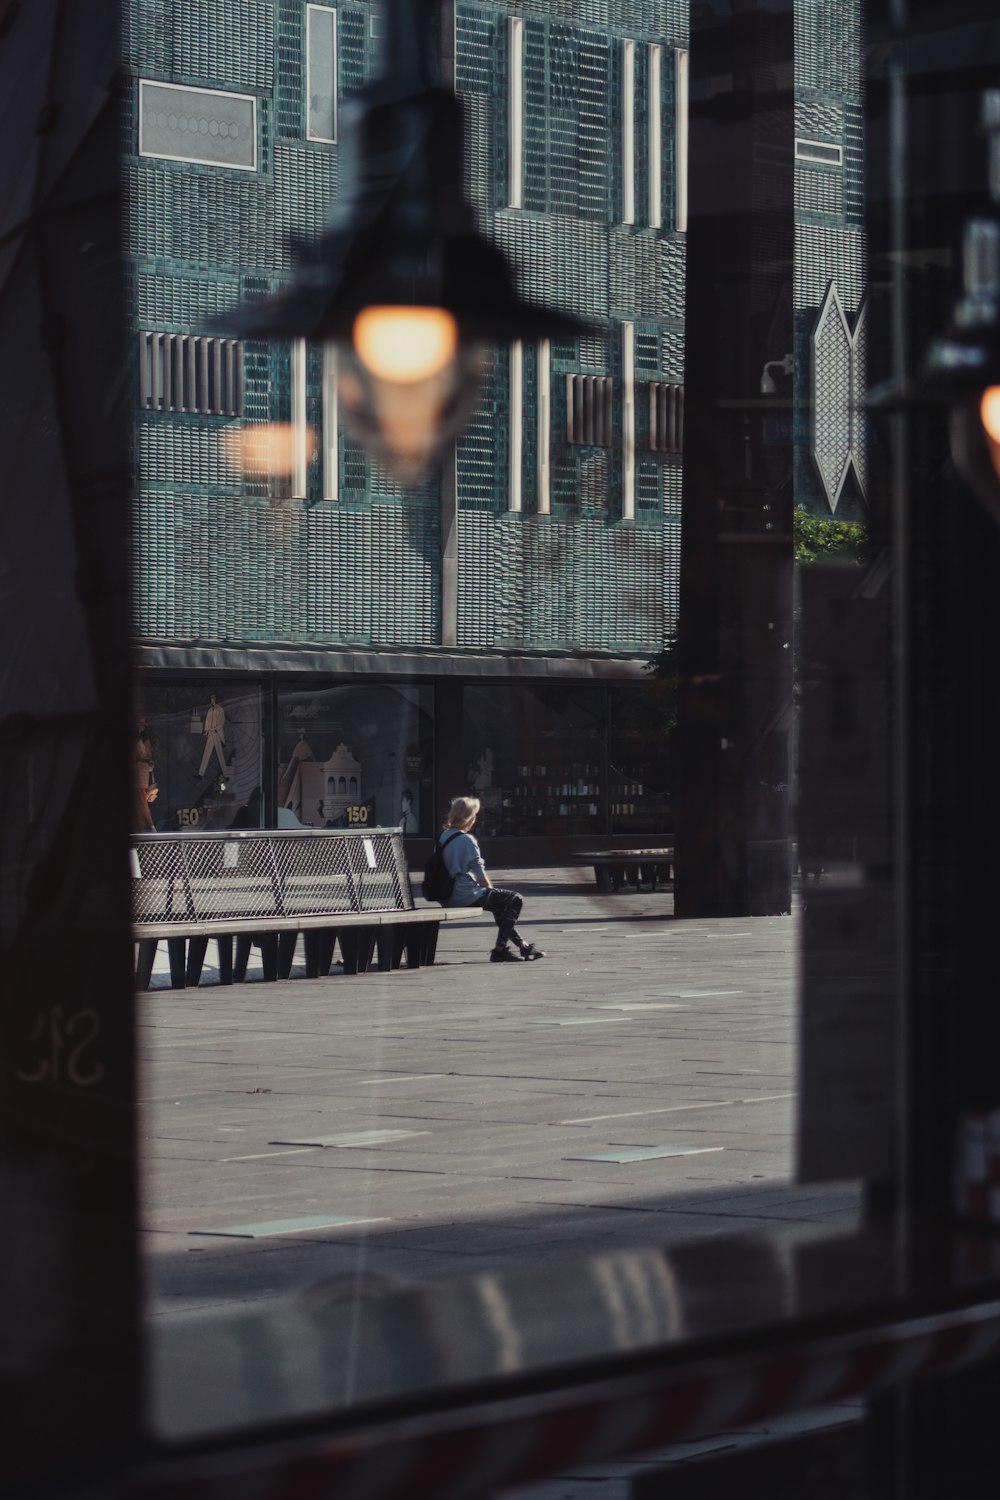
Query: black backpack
(438, 884)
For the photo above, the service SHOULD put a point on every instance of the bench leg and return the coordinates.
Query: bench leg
(243, 945)
(225, 947)
(197, 948)
(286, 953)
(357, 944)
(144, 962)
(603, 877)
(310, 941)
(385, 944)
(175, 950)
(413, 939)
(327, 942)
(431, 931)
(268, 942)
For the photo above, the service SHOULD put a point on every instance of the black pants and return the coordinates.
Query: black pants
(506, 908)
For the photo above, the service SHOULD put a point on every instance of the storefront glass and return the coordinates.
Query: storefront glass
(536, 758)
(198, 756)
(643, 718)
(355, 755)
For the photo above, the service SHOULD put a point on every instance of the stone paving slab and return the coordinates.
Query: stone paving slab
(505, 1075)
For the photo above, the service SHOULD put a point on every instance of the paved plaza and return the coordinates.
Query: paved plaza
(637, 1086)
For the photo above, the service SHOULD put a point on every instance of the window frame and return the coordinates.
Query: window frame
(199, 161)
(331, 10)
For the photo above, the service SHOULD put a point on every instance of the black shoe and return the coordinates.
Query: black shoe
(504, 956)
(531, 952)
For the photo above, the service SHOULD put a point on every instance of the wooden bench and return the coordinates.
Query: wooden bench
(262, 888)
(640, 868)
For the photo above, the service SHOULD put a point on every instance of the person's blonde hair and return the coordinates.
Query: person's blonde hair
(461, 810)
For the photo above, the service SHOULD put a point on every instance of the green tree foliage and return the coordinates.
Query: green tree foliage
(817, 537)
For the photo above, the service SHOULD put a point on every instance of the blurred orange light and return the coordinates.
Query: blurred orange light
(405, 344)
(266, 448)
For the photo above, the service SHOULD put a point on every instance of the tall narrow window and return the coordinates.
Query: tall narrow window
(628, 421)
(331, 434)
(515, 114)
(681, 139)
(321, 73)
(655, 136)
(544, 426)
(299, 433)
(516, 423)
(628, 131)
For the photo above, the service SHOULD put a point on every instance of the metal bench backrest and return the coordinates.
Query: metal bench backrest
(247, 874)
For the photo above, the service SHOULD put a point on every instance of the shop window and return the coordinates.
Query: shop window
(198, 750)
(642, 720)
(354, 756)
(535, 757)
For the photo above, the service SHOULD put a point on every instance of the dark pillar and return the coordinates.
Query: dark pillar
(734, 638)
(70, 1375)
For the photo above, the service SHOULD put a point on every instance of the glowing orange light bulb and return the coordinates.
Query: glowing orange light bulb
(989, 411)
(405, 344)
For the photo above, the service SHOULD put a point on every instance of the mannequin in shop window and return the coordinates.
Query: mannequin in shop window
(290, 781)
(215, 737)
(407, 817)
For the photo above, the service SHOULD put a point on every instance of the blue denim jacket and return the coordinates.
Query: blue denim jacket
(463, 859)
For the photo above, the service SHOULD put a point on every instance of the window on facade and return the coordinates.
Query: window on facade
(590, 410)
(819, 151)
(184, 372)
(628, 131)
(210, 126)
(321, 73)
(666, 417)
(681, 139)
(515, 113)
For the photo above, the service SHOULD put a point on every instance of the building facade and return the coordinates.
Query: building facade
(328, 647)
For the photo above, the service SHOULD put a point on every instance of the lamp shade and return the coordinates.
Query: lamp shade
(404, 238)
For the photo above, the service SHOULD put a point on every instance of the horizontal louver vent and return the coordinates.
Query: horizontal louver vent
(184, 372)
(666, 417)
(589, 410)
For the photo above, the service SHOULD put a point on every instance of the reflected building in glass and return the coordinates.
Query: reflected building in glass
(330, 599)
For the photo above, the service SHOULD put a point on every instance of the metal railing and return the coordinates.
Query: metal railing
(250, 874)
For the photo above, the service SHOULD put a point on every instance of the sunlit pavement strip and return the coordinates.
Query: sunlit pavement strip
(639, 1005)
(676, 1109)
(645, 1153)
(265, 1155)
(354, 1138)
(402, 1078)
(702, 994)
(286, 1226)
(581, 1021)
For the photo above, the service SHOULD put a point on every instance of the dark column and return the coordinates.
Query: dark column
(70, 1376)
(734, 638)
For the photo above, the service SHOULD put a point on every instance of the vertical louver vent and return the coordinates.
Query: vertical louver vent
(589, 410)
(666, 417)
(184, 372)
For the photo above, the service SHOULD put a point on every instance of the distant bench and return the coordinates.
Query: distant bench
(640, 868)
(262, 888)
